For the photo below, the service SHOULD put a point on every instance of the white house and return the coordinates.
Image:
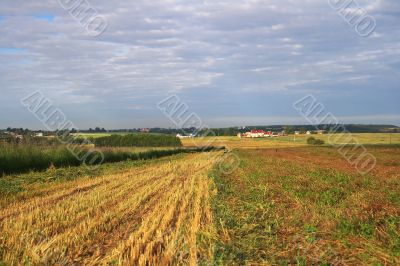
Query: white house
(185, 137)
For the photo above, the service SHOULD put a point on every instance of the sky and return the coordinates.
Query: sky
(232, 62)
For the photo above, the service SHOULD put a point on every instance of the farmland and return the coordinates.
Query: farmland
(287, 203)
(147, 214)
(24, 158)
(243, 133)
(308, 206)
(285, 141)
(292, 140)
(138, 140)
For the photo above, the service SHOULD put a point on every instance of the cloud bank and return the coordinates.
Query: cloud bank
(230, 61)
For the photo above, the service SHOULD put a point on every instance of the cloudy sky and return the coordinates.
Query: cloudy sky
(232, 62)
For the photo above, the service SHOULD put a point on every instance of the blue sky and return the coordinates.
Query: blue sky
(232, 62)
(47, 17)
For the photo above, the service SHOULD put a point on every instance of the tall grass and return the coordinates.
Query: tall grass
(20, 158)
(23, 158)
(138, 140)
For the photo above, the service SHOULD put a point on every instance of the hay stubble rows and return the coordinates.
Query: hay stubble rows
(145, 215)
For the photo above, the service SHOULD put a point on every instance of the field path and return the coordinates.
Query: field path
(145, 215)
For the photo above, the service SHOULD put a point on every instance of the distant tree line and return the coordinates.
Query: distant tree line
(290, 129)
(229, 131)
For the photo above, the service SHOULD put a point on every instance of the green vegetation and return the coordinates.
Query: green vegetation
(23, 158)
(138, 140)
(277, 209)
(97, 135)
(314, 141)
(16, 158)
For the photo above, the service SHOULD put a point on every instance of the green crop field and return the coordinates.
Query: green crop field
(107, 134)
(96, 135)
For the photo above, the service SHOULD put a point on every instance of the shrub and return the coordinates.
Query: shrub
(311, 140)
(314, 141)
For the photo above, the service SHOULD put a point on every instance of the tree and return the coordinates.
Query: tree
(288, 129)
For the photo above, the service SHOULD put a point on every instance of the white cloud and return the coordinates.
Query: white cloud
(277, 27)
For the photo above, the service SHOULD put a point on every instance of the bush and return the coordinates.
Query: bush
(314, 141)
(138, 140)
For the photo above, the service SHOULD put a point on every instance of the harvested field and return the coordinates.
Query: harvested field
(303, 205)
(158, 214)
(307, 206)
(294, 140)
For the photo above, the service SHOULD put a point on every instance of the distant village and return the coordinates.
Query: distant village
(269, 134)
(255, 133)
(19, 134)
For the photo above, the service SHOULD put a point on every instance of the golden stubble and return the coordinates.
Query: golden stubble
(146, 215)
